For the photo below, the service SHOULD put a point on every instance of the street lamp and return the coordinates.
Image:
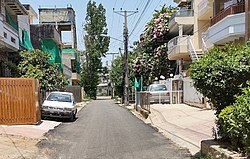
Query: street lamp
(126, 78)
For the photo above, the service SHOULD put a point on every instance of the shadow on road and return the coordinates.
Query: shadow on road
(63, 120)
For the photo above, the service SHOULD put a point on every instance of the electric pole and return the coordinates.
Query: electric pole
(126, 14)
(247, 19)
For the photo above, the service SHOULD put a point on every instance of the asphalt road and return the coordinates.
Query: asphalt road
(105, 130)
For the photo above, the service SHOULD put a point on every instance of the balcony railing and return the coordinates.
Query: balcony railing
(233, 9)
(183, 13)
(177, 42)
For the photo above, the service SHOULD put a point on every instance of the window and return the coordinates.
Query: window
(5, 35)
(59, 97)
(158, 88)
(13, 40)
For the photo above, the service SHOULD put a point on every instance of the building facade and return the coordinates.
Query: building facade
(14, 18)
(198, 26)
(63, 19)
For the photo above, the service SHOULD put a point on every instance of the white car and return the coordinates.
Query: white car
(158, 93)
(59, 105)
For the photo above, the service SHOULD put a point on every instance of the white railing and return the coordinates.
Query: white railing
(204, 45)
(176, 42)
(192, 50)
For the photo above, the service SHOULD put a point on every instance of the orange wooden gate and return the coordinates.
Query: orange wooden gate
(19, 101)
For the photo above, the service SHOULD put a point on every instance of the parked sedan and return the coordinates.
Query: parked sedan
(59, 105)
(158, 93)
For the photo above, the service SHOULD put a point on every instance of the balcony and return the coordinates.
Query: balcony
(182, 13)
(205, 10)
(178, 48)
(180, 2)
(230, 10)
(9, 37)
(182, 17)
(227, 30)
(48, 31)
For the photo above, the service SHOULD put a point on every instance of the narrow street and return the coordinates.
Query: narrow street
(105, 130)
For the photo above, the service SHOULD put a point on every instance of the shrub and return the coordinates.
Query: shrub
(218, 74)
(235, 121)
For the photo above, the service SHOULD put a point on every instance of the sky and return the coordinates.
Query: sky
(136, 22)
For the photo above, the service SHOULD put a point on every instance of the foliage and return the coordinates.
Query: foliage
(11, 63)
(201, 157)
(96, 46)
(86, 99)
(35, 64)
(152, 59)
(218, 74)
(117, 75)
(157, 28)
(235, 122)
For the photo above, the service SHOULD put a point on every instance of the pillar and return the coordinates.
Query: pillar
(247, 19)
(180, 30)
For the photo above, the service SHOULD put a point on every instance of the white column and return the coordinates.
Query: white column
(180, 30)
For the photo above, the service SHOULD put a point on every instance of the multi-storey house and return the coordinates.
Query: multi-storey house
(187, 26)
(14, 33)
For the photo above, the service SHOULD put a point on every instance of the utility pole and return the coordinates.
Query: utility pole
(247, 19)
(126, 14)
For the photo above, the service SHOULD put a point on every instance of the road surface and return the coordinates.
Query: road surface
(105, 130)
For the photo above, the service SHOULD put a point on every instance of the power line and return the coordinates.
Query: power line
(138, 7)
(138, 21)
(123, 3)
(112, 22)
(126, 14)
(150, 16)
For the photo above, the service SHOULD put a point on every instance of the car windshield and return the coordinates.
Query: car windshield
(59, 97)
(158, 88)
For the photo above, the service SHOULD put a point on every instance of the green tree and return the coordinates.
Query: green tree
(35, 64)
(152, 58)
(220, 72)
(235, 122)
(96, 46)
(117, 75)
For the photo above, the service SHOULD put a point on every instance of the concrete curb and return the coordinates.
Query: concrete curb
(216, 150)
(157, 121)
(157, 128)
(81, 105)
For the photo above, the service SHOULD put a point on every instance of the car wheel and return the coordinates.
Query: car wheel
(72, 117)
(75, 115)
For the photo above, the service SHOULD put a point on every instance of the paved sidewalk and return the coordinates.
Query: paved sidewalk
(18, 141)
(185, 125)
(33, 131)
